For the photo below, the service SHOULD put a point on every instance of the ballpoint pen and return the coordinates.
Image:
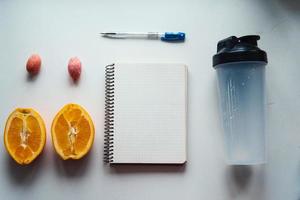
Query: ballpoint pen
(166, 36)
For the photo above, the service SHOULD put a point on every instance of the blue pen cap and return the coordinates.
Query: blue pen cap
(171, 36)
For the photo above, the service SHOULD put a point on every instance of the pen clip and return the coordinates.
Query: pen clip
(173, 37)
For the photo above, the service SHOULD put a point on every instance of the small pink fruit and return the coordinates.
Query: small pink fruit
(74, 68)
(33, 65)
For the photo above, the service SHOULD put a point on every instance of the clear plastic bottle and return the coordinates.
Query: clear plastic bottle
(240, 67)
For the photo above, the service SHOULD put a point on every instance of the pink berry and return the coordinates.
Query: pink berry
(74, 68)
(33, 65)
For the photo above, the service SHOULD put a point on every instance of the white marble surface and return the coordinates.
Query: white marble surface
(58, 30)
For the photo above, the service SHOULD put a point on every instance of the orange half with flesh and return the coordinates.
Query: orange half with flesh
(72, 132)
(24, 135)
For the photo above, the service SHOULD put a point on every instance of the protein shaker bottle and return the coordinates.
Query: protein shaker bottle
(240, 67)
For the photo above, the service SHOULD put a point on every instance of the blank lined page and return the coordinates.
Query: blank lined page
(150, 113)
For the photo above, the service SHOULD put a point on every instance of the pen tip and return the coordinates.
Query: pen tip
(104, 34)
(108, 33)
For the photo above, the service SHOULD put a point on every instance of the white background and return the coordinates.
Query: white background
(58, 30)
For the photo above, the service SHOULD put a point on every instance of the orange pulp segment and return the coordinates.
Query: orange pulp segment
(24, 135)
(72, 132)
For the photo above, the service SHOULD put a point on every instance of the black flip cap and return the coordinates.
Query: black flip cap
(233, 49)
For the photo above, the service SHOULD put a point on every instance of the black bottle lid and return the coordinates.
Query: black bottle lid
(234, 49)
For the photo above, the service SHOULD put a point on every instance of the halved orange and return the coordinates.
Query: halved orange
(72, 132)
(24, 135)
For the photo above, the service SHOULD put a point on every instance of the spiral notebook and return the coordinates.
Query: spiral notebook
(145, 113)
